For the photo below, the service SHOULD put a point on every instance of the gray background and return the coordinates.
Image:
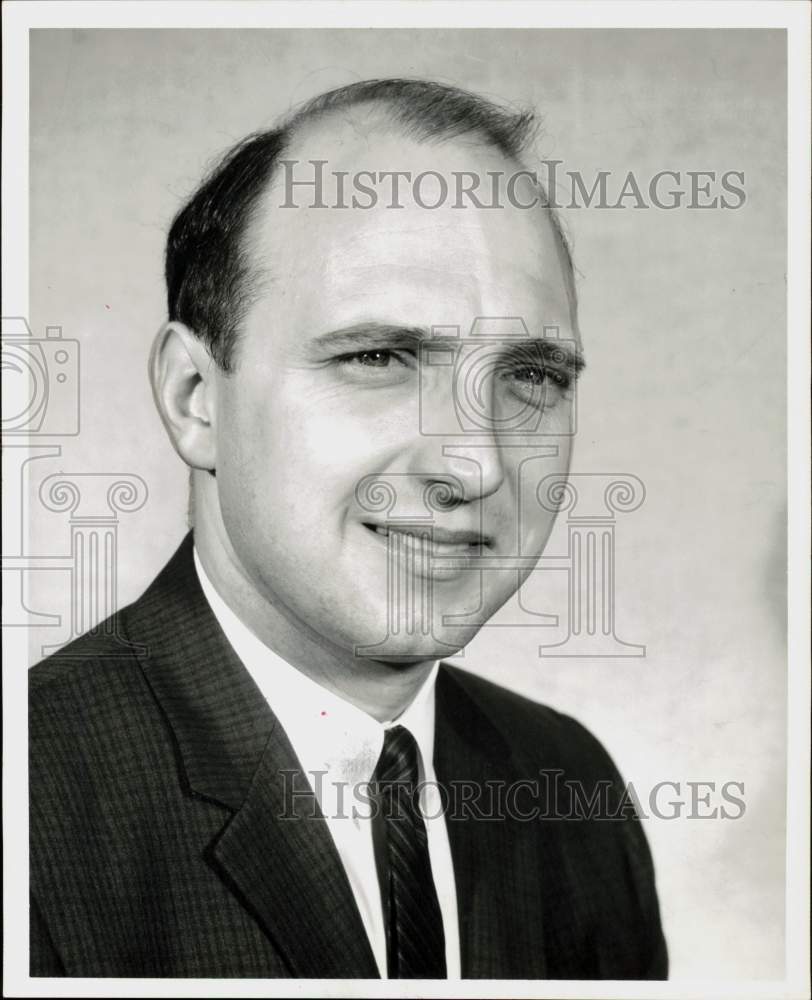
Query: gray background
(683, 314)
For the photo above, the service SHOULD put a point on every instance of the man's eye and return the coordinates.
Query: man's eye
(378, 357)
(533, 375)
(374, 359)
(537, 375)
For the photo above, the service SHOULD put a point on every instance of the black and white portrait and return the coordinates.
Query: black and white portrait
(395, 455)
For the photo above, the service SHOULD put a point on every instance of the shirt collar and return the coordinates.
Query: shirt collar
(330, 736)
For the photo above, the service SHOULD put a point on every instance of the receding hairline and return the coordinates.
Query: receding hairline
(372, 114)
(425, 108)
(211, 280)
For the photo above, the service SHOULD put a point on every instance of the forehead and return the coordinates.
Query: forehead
(411, 264)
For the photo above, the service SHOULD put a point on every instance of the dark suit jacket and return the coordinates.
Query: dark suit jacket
(157, 847)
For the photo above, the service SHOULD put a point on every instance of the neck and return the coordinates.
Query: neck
(381, 689)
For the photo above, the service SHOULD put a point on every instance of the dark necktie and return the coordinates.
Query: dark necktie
(415, 945)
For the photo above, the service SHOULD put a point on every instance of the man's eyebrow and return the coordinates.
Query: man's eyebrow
(557, 353)
(365, 336)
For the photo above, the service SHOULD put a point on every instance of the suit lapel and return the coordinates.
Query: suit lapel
(497, 861)
(279, 854)
(275, 851)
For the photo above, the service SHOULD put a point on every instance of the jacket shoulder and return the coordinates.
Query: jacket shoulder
(106, 642)
(91, 692)
(536, 731)
(114, 647)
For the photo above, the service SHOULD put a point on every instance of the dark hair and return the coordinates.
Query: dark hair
(209, 276)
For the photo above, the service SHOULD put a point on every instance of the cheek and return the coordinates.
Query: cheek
(329, 441)
(532, 477)
(288, 467)
(332, 441)
(250, 469)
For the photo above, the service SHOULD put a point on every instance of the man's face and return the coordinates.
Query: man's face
(336, 440)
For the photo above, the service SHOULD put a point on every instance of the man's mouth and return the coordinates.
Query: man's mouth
(436, 541)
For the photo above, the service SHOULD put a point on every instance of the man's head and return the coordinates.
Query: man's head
(292, 376)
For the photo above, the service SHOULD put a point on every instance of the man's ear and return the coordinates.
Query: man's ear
(183, 376)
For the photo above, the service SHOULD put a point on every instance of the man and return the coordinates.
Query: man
(239, 775)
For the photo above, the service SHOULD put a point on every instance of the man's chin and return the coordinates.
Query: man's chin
(407, 650)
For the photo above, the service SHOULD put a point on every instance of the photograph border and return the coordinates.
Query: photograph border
(18, 18)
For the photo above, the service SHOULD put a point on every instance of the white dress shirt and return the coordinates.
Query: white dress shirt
(338, 746)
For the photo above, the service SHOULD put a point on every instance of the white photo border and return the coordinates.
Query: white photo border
(18, 18)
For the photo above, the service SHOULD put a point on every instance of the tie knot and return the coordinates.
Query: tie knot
(399, 758)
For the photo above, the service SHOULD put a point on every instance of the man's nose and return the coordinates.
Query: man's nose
(457, 444)
(473, 469)
(471, 465)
